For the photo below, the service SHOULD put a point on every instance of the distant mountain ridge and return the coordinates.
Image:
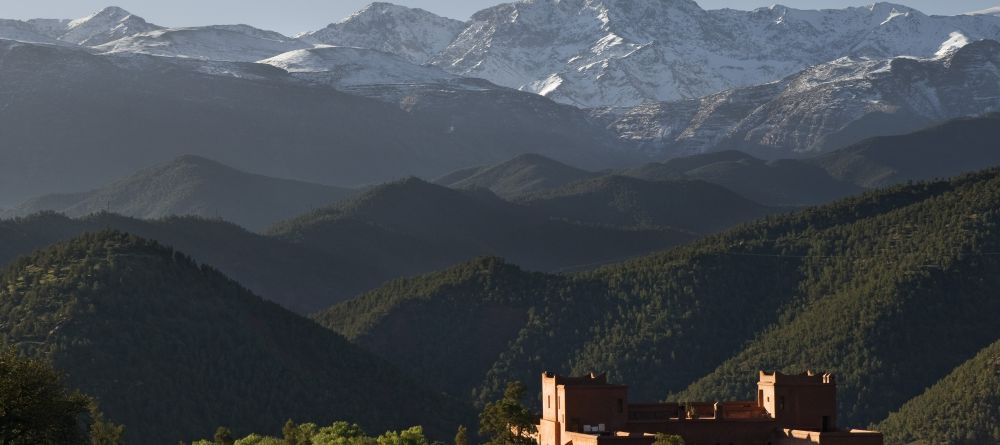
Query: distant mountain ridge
(825, 107)
(519, 176)
(72, 131)
(589, 53)
(622, 53)
(192, 185)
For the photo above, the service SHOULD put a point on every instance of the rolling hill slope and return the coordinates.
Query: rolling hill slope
(855, 287)
(960, 409)
(521, 175)
(173, 349)
(412, 226)
(298, 278)
(940, 151)
(785, 182)
(696, 206)
(192, 185)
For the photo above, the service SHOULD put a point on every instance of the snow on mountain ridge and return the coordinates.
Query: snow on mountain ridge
(341, 67)
(235, 43)
(822, 107)
(624, 52)
(111, 23)
(414, 34)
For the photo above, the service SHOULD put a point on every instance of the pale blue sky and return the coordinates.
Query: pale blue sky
(293, 16)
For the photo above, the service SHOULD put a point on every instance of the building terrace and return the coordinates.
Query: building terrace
(789, 410)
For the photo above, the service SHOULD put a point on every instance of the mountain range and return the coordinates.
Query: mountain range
(825, 107)
(891, 291)
(623, 52)
(71, 132)
(192, 185)
(951, 148)
(795, 83)
(324, 256)
(589, 53)
(677, 196)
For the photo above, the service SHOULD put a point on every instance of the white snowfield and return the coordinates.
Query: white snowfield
(587, 53)
(234, 43)
(341, 66)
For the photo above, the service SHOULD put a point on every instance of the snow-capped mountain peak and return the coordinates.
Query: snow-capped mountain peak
(625, 52)
(108, 24)
(414, 34)
(233, 43)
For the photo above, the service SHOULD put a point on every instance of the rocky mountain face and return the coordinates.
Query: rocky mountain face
(625, 52)
(343, 67)
(111, 23)
(824, 107)
(588, 53)
(413, 34)
(239, 43)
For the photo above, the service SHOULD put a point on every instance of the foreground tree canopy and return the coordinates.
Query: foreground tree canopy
(37, 409)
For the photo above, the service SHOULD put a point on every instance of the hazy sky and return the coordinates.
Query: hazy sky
(293, 16)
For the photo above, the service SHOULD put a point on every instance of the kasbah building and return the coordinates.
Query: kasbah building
(789, 410)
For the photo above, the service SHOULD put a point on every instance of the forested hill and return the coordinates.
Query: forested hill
(961, 409)
(890, 290)
(172, 349)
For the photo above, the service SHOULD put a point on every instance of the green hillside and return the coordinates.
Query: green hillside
(961, 409)
(890, 304)
(855, 287)
(292, 275)
(173, 349)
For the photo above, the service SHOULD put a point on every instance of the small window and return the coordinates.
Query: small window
(557, 402)
(548, 402)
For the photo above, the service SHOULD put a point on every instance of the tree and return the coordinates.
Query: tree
(36, 407)
(102, 431)
(461, 437)
(668, 439)
(507, 421)
(290, 433)
(223, 436)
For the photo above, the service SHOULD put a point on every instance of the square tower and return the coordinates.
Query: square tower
(806, 401)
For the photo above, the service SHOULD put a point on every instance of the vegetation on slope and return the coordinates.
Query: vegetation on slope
(295, 276)
(837, 287)
(962, 409)
(172, 349)
(890, 304)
